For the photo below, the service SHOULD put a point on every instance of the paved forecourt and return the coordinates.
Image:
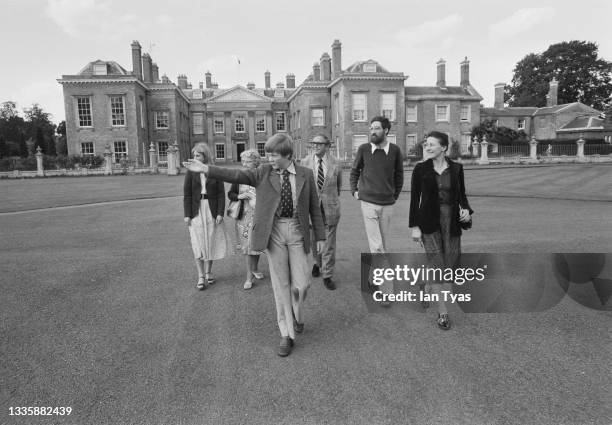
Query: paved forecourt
(100, 313)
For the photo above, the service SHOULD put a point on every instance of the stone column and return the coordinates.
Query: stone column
(580, 153)
(475, 146)
(108, 160)
(39, 162)
(484, 154)
(172, 171)
(177, 157)
(533, 148)
(153, 158)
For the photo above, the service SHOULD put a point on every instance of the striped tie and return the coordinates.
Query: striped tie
(320, 176)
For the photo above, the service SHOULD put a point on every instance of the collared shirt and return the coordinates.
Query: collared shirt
(315, 166)
(203, 181)
(385, 148)
(291, 169)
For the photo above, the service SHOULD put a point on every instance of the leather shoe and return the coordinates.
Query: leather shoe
(329, 283)
(315, 271)
(285, 346)
(298, 327)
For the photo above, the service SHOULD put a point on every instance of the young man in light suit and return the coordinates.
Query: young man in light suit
(328, 177)
(286, 202)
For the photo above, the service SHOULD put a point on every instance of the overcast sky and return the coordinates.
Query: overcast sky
(45, 39)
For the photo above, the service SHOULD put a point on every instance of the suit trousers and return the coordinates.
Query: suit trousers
(289, 272)
(326, 260)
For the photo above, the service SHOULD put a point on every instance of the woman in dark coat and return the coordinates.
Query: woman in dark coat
(439, 209)
(204, 207)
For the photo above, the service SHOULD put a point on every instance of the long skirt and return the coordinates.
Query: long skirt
(209, 240)
(443, 250)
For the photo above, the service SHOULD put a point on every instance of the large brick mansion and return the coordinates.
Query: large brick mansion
(107, 105)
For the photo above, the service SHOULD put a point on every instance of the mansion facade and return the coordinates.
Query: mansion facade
(132, 111)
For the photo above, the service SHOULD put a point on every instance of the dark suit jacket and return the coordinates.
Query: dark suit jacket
(424, 202)
(267, 186)
(191, 195)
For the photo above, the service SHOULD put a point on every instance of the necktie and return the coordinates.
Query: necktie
(320, 176)
(286, 203)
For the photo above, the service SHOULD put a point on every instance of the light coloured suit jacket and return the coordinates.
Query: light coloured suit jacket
(267, 186)
(329, 195)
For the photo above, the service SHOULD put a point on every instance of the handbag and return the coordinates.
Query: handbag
(235, 209)
(465, 225)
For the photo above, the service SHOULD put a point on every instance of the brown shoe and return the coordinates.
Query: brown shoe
(284, 349)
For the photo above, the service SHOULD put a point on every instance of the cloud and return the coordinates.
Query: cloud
(520, 21)
(100, 19)
(441, 32)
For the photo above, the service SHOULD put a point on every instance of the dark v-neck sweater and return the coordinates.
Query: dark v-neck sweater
(377, 176)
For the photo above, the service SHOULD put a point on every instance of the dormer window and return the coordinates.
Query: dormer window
(369, 67)
(99, 69)
(197, 94)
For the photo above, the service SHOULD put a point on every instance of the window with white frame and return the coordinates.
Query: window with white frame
(260, 122)
(219, 124)
(220, 151)
(466, 141)
(100, 69)
(142, 116)
(261, 149)
(198, 123)
(442, 113)
(358, 140)
(162, 151)
(411, 142)
(317, 117)
(369, 67)
(360, 105)
(521, 124)
(84, 111)
(411, 112)
(197, 94)
(387, 102)
(337, 108)
(161, 119)
(391, 138)
(281, 121)
(466, 111)
(117, 111)
(239, 124)
(119, 150)
(87, 148)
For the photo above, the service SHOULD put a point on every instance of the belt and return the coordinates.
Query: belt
(204, 196)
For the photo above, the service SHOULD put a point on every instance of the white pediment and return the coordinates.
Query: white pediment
(238, 94)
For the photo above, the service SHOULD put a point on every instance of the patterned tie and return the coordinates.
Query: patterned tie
(320, 176)
(286, 203)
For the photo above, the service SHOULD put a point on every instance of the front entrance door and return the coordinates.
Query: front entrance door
(240, 147)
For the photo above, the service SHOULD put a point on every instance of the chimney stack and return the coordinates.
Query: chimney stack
(316, 71)
(336, 60)
(136, 60)
(290, 78)
(182, 81)
(155, 78)
(215, 85)
(201, 85)
(465, 73)
(251, 86)
(441, 64)
(165, 79)
(325, 67)
(147, 64)
(553, 92)
(208, 77)
(267, 79)
(499, 95)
